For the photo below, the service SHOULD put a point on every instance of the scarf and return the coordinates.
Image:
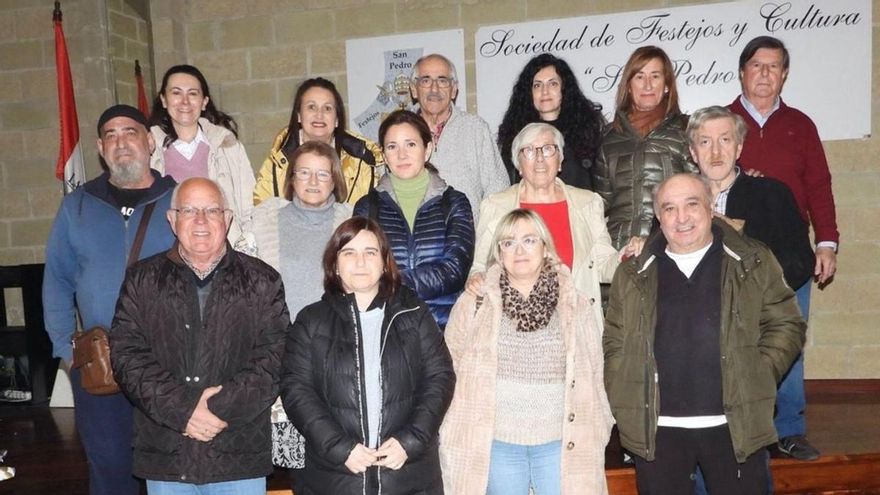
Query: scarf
(534, 312)
(645, 122)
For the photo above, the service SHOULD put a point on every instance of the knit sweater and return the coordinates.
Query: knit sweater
(291, 239)
(468, 159)
(788, 148)
(530, 393)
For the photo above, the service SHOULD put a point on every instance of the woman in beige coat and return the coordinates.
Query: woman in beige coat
(528, 358)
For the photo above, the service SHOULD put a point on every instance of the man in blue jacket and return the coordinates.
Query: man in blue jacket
(86, 257)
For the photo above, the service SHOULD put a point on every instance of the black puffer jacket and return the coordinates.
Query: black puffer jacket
(322, 391)
(165, 355)
(628, 168)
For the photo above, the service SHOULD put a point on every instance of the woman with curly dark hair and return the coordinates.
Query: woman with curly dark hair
(645, 144)
(547, 91)
(195, 139)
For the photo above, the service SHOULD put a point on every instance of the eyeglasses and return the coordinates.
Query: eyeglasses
(304, 174)
(530, 152)
(528, 243)
(189, 212)
(427, 82)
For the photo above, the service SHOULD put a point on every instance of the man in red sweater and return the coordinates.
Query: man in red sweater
(783, 143)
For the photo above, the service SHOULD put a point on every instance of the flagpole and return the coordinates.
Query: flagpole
(70, 167)
(142, 103)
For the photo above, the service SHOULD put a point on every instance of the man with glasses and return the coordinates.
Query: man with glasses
(464, 149)
(196, 344)
(87, 252)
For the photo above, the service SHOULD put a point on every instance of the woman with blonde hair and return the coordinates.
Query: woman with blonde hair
(529, 407)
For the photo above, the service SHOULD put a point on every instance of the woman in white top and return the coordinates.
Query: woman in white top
(195, 139)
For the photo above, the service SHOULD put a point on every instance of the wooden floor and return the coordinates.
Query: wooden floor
(843, 419)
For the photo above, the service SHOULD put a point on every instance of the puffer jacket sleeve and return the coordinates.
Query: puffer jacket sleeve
(254, 387)
(437, 385)
(448, 274)
(783, 330)
(263, 186)
(602, 180)
(299, 394)
(149, 386)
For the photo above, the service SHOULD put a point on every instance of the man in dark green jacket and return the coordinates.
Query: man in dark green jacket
(699, 330)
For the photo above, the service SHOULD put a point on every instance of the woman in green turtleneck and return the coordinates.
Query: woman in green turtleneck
(429, 225)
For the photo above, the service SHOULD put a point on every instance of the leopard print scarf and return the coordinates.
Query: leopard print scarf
(532, 313)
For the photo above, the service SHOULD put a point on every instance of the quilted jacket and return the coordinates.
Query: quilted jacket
(322, 391)
(629, 167)
(165, 355)
(434, 259)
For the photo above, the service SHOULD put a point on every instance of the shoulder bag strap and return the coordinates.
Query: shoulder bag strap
(141, 233)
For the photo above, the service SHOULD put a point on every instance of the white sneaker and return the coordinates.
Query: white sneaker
(15, 396)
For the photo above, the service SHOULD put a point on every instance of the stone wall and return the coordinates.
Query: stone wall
(255, 52)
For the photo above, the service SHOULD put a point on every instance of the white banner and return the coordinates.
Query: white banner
(379, 71)
(829, 42)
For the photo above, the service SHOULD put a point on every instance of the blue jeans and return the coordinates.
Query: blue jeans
(253, 486)
(790, 399)
(104, 425)
(513, 468)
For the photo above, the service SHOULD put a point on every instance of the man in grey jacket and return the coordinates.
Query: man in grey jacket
(700, 328)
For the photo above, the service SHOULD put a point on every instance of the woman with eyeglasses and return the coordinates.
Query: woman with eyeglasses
(529, 408)
(574, 216)
(195, 139)
(289, 234)
(319, 115)
(645, 144)
(548, 91)
(429, 224)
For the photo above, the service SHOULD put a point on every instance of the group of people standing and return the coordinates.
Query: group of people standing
(429, 308)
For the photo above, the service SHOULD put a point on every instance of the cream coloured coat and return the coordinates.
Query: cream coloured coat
(468, 429)
(595, 259)
(228, 166)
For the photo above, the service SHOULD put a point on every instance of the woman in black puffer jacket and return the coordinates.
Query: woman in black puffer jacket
(430, 225)
(367, 376)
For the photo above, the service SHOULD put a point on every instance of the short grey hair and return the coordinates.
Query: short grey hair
(531, 132)
(504, 230)
(702, 179)
(703, 115)
(435, 56)
(177, 188)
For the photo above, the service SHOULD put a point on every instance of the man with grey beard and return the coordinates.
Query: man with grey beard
(86, 257)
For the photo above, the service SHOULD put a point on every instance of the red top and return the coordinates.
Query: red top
(555, 215)
(788, 149)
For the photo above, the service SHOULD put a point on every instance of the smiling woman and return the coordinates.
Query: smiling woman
(195, 139)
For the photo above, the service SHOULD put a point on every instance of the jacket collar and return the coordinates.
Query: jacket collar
(217, 136)
(173, 254)
(436, 186)
(100, 187)
(733, 243)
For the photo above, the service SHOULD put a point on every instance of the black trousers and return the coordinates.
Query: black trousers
(680, 450)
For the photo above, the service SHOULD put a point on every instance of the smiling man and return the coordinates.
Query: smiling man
(196, 344)
(700, 327)
(783, 143)
(87, 252)
(464, 149)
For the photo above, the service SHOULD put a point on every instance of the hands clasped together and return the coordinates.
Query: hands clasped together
(389, 455)
(203, 425)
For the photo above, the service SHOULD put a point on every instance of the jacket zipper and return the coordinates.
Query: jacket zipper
(382, 384)
(357, 363)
